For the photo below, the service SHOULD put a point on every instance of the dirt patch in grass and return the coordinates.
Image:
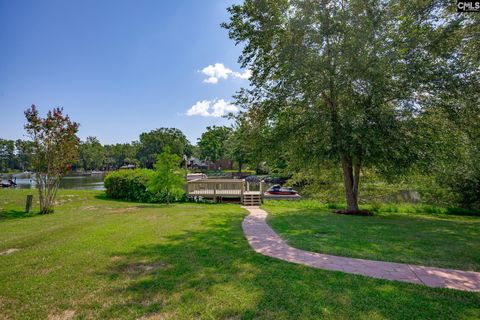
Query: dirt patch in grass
(62, 201)
(135, 269)
(159, 316)
(46, 271)
(3, 302)
(8, 251)
(123, 210)
(65, 315)
(110, 209)
(89, 208)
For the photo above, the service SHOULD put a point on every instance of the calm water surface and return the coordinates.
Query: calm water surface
(93, 182)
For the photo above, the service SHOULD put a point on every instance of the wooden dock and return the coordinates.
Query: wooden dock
(225, 190)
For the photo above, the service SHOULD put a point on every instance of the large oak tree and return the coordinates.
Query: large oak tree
(152, 144)
(344, 81)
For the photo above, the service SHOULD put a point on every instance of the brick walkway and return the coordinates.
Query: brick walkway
(265, 241)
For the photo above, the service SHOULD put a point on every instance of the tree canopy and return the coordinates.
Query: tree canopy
(345, 81)
(117, 155)
(212, 144)
(152, 143)
(92, 154)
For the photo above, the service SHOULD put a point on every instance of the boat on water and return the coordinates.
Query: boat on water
(196, 176)
(10, 184)
(278, 190)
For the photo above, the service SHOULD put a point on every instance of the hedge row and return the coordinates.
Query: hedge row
(130, 185)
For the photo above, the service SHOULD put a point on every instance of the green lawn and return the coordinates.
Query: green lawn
(439, 240)
(100, 259)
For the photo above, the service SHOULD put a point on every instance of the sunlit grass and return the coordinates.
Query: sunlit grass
(417, 234)
(100, 259)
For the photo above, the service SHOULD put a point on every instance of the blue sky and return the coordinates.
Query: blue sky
(118, 68)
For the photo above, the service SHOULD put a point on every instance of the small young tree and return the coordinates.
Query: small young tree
(55, 149)
(168, 181)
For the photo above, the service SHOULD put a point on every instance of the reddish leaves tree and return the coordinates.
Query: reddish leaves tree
(55, 149)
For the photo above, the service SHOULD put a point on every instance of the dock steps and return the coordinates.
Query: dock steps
(252, 199)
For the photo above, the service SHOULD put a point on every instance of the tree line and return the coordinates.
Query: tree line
(15, 155)
(216, 143)
(142, 153)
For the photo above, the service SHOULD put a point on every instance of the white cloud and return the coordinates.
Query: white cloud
(199, 109)
(245, 75)
(222, 107)
(212, 80)
(211, 108)
(217, 71)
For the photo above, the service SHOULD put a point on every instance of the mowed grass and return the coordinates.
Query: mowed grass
(100, 259)
(430, 239)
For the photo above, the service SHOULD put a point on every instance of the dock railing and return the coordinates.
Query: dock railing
(216, 187)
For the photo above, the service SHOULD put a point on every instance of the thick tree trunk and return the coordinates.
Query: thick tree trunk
(351, 169)
(40, 183)
(351, 177)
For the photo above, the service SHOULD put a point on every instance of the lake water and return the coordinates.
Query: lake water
(93, 182)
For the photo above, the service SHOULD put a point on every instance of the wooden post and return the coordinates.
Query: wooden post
(242, 192)
(28, 205)
(215, 192)
(262, 187)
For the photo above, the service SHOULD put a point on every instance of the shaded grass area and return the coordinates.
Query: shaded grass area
(382, 207)
(417, 236)
(15, 214)
(101, 259)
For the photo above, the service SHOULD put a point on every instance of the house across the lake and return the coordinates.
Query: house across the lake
(128, 166)
(221, 164)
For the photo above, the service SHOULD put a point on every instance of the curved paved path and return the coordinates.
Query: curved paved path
(265, 241)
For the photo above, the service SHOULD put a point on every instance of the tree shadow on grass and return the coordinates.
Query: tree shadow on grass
(15, 214)
(212, 273)
(141, 205)
(105, 197)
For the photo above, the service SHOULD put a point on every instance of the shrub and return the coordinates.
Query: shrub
(131, 185)
(168, 181)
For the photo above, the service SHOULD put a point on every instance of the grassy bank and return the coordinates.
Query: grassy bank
(100, 259)
(417, 234)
